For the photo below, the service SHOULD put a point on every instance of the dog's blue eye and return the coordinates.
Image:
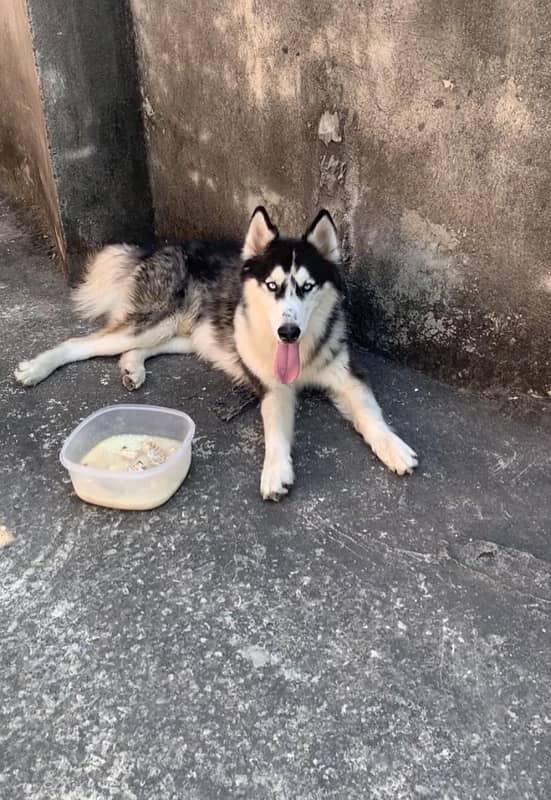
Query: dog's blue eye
(272, 286)
(308, 287)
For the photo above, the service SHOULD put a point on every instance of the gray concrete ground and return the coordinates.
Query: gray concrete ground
(369, 637)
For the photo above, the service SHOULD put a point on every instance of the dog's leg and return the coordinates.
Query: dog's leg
(356, 402)
(103, 343)
(278, 416)
(132, 363)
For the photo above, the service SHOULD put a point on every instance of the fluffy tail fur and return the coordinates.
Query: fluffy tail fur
(106, 290)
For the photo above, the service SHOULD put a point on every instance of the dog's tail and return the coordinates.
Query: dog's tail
(106, 290)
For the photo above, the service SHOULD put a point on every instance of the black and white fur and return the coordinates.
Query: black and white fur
(231, 308)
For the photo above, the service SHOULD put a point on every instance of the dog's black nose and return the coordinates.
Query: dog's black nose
(288, 332)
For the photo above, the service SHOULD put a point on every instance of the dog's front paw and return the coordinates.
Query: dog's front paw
(277, 478)
(29, 373)
(132, 371)
(394, 453)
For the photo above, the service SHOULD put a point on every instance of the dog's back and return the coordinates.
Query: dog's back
(125, 284)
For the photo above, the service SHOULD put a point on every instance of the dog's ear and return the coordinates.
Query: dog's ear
(260, 234)
(322, 233)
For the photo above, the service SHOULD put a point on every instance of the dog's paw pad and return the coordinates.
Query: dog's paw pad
(132, 371)
(277, 479)
(395, 453)
(275, 497)
(29, 373)
(133, 380)
(127, 382)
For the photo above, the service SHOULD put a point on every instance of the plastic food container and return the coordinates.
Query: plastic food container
(123, 489)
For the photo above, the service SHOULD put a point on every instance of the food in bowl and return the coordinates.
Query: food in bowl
(132, 457)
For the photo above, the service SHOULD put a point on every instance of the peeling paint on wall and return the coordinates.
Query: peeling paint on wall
(328, 128)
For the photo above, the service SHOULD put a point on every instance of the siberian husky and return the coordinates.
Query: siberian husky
(270, 314)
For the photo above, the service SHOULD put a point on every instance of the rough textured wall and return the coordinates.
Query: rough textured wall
(87, 73)
(24, 161)
(437, 164)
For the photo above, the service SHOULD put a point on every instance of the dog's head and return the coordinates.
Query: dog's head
(293, 281)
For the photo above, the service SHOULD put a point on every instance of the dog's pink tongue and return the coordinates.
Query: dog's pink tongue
(287, 362)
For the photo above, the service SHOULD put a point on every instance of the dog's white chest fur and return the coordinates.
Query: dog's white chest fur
(206, 346)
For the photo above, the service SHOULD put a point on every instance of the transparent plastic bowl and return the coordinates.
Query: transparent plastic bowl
(129, 490)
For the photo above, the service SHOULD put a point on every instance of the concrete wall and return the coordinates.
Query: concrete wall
(71, 133)
(25, 169)
(437, 168)
(87, 73)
